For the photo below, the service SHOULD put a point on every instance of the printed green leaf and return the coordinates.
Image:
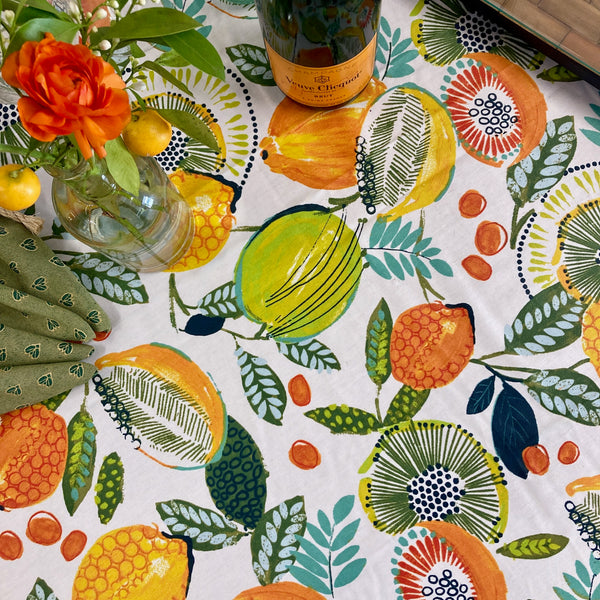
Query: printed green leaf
(121, 165)
(207, 529)
(238, 480)
(551, 320)
(405, 405)
(540, 545)
(377, 345)
(311, 354)
(567, 393)
(221, 302)
(532, 177)
(41, 591)
(106, 278)
(81, 456)
(273, 542)
(262, 387)
(252, 62)
(109, 487)
(345, 419)
(558, 73)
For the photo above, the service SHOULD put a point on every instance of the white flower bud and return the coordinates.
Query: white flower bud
(7, 17)
(94, 29)
(73, 9)
(104, 45)
(114, 4)
(101, 13)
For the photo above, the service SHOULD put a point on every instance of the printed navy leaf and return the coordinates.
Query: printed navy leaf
(514, 428)
(481, 397)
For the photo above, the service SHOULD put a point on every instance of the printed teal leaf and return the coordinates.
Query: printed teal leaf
(317, 534)
(252, 62)
(309, 580)
(342, 508)
(481, 397)
(324, 523)
(311, 354)
(576, 586)
(377, 231)
(563, 595)
(273, 543)
(532, 177)
(347, 554)
(514, 428)
(539, 545)
(350, 572)
(377, 344)
(567, 393)
(393, 56)
(594, 564)
(109, 487)
(310, 564)
(550, 321)
(238, 480)
(262, 387)
(378, 266)
(345, 419)
(405, 405)
(207, 529)
(41, 591)
(106, 278)
(592, 135)
(345, 535)
(312, 550)
(221, 302)
(81, 456)
(583, 574)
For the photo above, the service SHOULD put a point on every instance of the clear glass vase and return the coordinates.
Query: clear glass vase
(147, 232)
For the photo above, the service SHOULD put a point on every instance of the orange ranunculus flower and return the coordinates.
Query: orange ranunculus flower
(68, 90)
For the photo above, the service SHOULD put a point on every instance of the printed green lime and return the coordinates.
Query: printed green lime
(299, 273)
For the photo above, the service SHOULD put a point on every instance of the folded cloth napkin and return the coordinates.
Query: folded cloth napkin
(46, 316)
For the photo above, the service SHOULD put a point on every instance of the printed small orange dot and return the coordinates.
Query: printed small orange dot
(11, 546)
(304, 455)
(471, 204)
(43, 528)
(568, 453)
(536, 459)
(73, 544)
(299, 390)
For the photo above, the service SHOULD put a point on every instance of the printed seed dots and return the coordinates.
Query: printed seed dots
(494, 115)
(445, 587)
(435, 493)
(476, 33)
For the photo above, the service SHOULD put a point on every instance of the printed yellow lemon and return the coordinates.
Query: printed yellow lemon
(134, 562)
(147, 134)
(19, 187)
(211, 199)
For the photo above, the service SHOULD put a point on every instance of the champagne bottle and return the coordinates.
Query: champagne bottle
(322, 52)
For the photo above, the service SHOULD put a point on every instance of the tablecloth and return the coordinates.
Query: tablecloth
(376, 372)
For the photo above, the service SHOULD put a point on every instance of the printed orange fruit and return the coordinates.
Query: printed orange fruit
(590, 338)
(316, 146)
(43, 528)
(211, 199)
(134, 562)
(431, 344)
(11, 546)
(281, 590)
(536, 459)
(147, 134)
(33, 454)
(19, 187)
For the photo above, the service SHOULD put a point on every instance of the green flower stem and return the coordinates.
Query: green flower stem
(40, 157)
(257, 336)
(342, 203)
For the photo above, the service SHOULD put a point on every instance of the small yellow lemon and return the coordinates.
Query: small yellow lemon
(147, 134)
(19, 187)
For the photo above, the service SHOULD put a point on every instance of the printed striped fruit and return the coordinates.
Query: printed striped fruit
(406, 151)
(282, 590)
(299, 273)
(316, 146)
(33, 454)
(590, 338)
(171, 406)
(136, 562)
(431, 344)
(211, 199)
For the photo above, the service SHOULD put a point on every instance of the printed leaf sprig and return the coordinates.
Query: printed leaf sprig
(252, 62)
(406, 252)
(594, 133)
(328, 562)
(41, 591)
(583, 584)
(81, 456)
(393, 54)
(311, 354)
(539, 545)
(540, 170)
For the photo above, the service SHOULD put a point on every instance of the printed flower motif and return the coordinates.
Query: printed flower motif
(434, 471)
(68, 90)
(448, 31)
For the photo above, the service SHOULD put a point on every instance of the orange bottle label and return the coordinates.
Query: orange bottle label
(323, 86)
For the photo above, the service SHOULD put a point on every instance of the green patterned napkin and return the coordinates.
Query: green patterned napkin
(45, 316)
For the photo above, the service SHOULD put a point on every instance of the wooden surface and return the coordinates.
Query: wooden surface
(568, 30)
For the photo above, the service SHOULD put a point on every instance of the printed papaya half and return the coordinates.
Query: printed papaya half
(299, 273)
(165, 403)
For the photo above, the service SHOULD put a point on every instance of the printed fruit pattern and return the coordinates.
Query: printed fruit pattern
(315, 147)
(134, 562)
(590, 338)
(211, 200)
(33, 454)
(282, 590)
(431, 344)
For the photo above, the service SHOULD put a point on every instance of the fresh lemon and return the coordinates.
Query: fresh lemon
(19, 187)
(147, 134)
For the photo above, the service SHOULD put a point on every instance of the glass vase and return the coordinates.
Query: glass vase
(149, 231)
